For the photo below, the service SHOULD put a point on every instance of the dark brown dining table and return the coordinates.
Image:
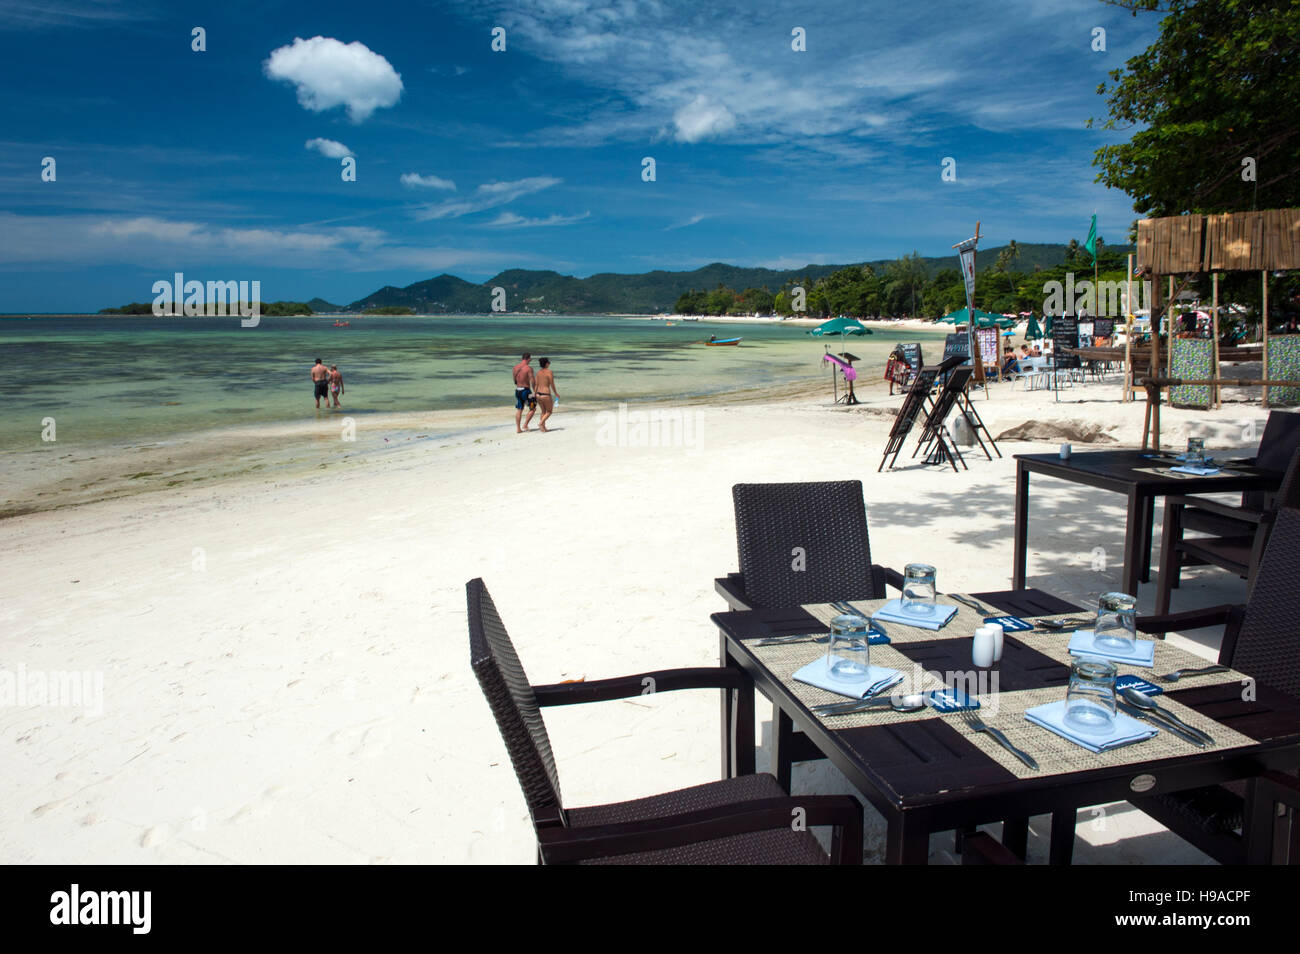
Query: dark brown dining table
(1141, 476)
(929, 772)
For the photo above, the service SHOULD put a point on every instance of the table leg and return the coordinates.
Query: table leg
(1148, 528)
(1062, 845)
(1133, 545)
(1015, 835)
(907, 840)
(1021, 543)
(727, 715)
(782, 739)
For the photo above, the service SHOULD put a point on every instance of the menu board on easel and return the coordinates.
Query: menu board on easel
(1065, 335)
(988, 341)
(911, 353)
(956, 344)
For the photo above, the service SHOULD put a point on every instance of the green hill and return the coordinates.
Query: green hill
(645, 293)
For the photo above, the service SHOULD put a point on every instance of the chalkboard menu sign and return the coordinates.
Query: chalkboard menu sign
(911, 354)
(1065, 334)
(1103, 327)
(956, 344)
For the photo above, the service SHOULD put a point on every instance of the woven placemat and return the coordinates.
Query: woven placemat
(964, 623)
(1167, 659)
(1056, 755)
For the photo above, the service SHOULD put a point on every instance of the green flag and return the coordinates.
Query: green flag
(1091, 244)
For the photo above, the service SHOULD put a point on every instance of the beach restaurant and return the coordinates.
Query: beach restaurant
(972, 712)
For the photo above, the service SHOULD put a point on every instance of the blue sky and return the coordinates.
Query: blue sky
(470, 161)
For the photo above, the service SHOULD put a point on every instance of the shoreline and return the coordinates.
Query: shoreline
(69, 476)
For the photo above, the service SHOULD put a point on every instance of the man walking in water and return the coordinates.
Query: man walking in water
(524, 376)
(320, 376)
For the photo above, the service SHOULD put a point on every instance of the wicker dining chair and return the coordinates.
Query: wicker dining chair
(1237, 545)
(802, 543)
(1239, 822)
(742, 820)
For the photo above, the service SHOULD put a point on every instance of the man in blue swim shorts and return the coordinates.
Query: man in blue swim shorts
(524, 377)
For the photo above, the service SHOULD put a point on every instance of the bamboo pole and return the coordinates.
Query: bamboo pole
(1214, 318)
(1263, 275)
(1152, 421)
(1128, 335)
(1230, 382)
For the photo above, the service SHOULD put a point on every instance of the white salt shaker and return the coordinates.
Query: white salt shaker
(997, 631)
(982, 648)
(1065, 452)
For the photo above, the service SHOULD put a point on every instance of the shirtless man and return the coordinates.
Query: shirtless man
(524, 379)
(320, 379)
(336, 383)
(546, 393)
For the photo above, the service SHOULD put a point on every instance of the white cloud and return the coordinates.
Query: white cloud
(702, 118)
(508, 220)
(34, 241)
(415, 180)
(487, 196)
(329, 148)
(693, 220)
(330, 73)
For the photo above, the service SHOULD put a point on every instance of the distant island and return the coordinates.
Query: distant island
(272, 309)
(1010, 277)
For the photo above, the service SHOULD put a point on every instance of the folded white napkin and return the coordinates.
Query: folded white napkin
(893, 612)
(1144, 650)
(817, 673)
(1124, 730)
(1195, 471)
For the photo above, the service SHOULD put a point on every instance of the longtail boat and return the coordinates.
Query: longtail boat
(714, 342)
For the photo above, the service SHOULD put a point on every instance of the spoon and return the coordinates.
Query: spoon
(1143, 701)
(912, 702)
(1179, 673)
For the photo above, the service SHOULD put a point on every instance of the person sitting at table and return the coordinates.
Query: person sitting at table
(1009, 363)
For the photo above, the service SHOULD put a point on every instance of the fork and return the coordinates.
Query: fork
(978, 724)
(973, 604)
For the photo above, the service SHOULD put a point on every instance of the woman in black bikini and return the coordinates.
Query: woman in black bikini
(546, 393)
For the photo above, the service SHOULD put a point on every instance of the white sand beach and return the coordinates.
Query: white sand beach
(284, 656)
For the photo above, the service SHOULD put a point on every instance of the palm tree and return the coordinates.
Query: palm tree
(1072, 250)
(1005, 257)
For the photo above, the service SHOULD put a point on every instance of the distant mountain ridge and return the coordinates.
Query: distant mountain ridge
(644, 293)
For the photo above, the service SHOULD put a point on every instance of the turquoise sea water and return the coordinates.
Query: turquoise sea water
(121, 379)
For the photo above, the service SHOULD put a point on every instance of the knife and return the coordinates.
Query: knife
(1151, 717)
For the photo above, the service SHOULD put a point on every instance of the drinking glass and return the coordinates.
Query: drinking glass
(848, 654)
(1090, 699)
(918, 589)
(1116, 626)
(1195, 452)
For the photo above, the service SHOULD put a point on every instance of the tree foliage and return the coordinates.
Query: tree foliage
(1217, 88)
